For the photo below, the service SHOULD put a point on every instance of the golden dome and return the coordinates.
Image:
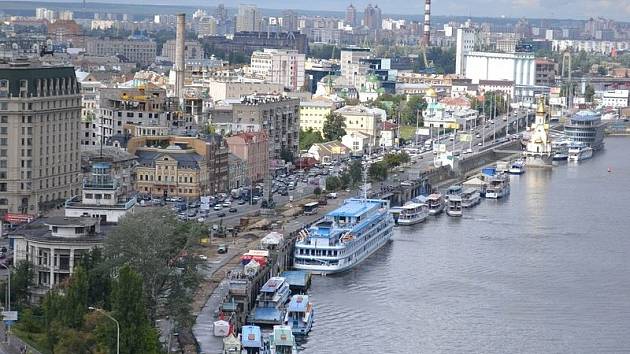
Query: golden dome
(541, 105)
(430, 92)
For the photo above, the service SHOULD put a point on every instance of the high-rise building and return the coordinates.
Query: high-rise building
(285, 67)
(40, 116)
(248, 18)
(466, 40)
(289, 20)
(351, 16)
(42, 13)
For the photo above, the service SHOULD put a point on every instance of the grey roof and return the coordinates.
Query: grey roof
(32, 72)
(147, 158)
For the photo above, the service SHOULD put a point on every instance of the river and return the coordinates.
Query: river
(546, 270)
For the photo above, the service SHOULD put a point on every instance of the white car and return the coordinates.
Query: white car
(217, 207)
(227, 204)
(480, 144)
(468, 151)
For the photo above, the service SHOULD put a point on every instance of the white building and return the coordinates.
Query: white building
(42, 13)
(53, 248)
(615, 98)
(364, 120)
(357, 143)
(100, 197)
(278, 66)
(350, 66)
(466, 40)
(577, 45)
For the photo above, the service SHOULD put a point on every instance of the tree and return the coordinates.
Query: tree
(589, 92)
(99, 284)
(334, 126)
(378, 171)
(150, 243)
(309, 137)
(356, 171)
(76, 342)
(286, 155)
(76, 299)
(21, 279)
(333, 183)
(412, 110)
(317, 191)
(345, 180)
(136, 333)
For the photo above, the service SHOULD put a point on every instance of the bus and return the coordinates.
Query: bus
(311, 208)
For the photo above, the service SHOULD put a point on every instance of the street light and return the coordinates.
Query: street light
(113, 319)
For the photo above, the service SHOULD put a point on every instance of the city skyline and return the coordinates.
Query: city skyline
(560, 9)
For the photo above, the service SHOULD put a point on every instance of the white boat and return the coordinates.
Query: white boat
(517, 167)
(454, 206)
(412, 213)
(470, 197)
(252, 341)
(300, 314)
(498, 186)
(560, 150)
(282, 341)
(435, 202)
(579, 152)
(344, 237)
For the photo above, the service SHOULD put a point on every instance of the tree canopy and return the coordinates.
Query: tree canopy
(309, 137)
(334, 126)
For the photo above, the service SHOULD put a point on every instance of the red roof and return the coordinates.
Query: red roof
(389, 126)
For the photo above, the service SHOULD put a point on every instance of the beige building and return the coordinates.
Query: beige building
(40, 117)
(222, 90)
(313, 114)
(142, 52)
(364, 120)
(285, 67)
(192, 50)
(253, 149)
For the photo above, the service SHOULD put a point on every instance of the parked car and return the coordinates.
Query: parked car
(221, 214)
(218, 207)
(232, 210)
(223, 248)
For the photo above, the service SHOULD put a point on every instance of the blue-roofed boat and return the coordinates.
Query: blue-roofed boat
(344, 237)
(517, 167)
(300, 314)
(271, 302)
(282, 341)
(252, 341)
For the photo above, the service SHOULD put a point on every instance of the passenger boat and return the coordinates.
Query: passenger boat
(470, 197)
(453, 190)
(435, 203)
(560, 150)
(579, 152)
(271, 302)
(498, 186)
(454, 206)
(413, 213)
(252, 341)
(300, 314)
(344, 237)
(282, 341)
(517, 167)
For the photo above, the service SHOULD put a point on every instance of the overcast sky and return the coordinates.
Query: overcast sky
(577, 9)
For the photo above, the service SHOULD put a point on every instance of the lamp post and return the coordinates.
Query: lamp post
(117, 325)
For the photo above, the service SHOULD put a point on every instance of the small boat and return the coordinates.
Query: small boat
(498, 186)
(517, 167)
(252, 341)
(300, 315)
(270, 303)
(413, 213)
(454, 206)
(579, 152)
(470, 197)
(282, 341)
(435, 202)
(453, 190)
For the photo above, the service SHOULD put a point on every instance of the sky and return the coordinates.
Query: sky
(577, 9)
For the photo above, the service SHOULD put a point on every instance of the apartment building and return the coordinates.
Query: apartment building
(141, 50)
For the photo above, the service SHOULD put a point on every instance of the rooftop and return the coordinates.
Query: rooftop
(355, 207)
(584, 116)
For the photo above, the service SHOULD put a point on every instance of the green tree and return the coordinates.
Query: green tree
(345, 180)
(76, 299)
(589, 92)
(333, 183)
(99, 281)
(317, 191)
(21, 279)
(286, 155)
(356, 171)
(378, 171)
(136, 333)
(412, 110)
(334, 126)
(309, 137)
(76, 342)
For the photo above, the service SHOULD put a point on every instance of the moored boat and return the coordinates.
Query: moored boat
(252, 341)
(271, 302)
(454, 206)
(560, 150)
(579, 152)
(344, 237)
(300, 314)
(435, 202)
(282, 341)
(413, 213)
(498, 186)
(470, 197)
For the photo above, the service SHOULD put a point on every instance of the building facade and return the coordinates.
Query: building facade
(545, 72)
(142, 52)
(248, 19)
(253, 149)
(40, 117)
(363, 120)
(615, 98)
(193, 50)
(285, 67)
(313, 114)
(586, 127)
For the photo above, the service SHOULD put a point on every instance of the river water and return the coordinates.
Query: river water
(546, 270)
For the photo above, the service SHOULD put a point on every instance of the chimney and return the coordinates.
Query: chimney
(426, 39)
(180, 38)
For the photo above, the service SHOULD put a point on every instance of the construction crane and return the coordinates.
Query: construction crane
(426, 36)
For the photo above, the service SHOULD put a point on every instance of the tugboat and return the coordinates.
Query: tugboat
(300, 315)
(282, 341)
